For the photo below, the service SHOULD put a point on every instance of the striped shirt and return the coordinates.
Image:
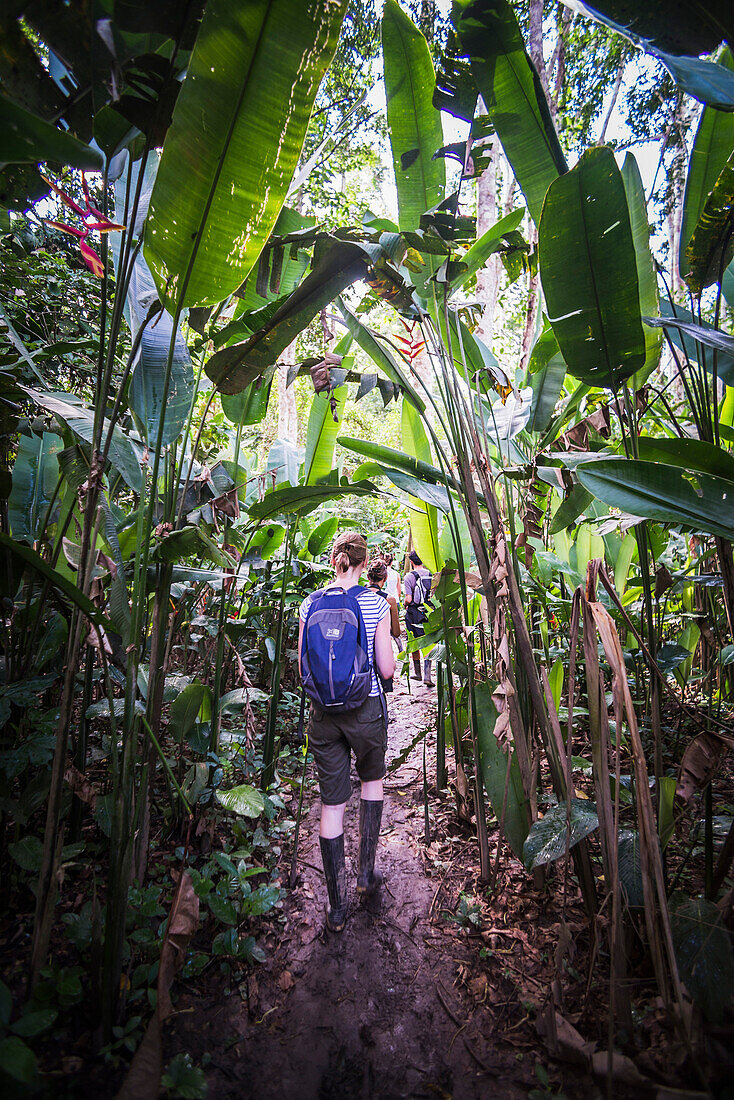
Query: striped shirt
(374, 608)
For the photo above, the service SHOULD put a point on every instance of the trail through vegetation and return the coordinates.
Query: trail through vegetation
(408, 1000)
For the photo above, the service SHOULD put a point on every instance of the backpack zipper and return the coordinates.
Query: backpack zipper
(331, 677)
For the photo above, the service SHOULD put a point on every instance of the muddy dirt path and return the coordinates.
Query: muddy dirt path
(389, 1008)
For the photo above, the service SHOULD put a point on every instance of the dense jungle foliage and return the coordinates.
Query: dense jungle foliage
(244, 304)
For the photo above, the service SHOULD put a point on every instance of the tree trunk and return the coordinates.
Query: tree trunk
(488, 278)
(287, 411)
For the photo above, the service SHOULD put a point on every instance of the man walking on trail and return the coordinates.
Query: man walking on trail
(417, 586)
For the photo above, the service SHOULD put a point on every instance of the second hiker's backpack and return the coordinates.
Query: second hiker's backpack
(336, 670)
(422, 588)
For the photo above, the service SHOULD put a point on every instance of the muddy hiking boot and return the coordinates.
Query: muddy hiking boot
(369, 880)
(427, 674)
(332, 855)
(417, 668)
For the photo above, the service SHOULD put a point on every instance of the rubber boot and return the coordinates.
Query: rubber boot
(427, 674)
(417, 667)
(332, 855)
(370, 817)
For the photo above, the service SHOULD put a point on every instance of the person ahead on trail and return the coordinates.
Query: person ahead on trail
(417, 586)
(376, 579)
(392, 587)
(343, 639)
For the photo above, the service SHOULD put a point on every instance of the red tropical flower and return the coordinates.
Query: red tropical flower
(93, 221)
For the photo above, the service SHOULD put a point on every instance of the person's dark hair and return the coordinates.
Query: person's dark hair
(377, 571)
(388, 559)
(414, 558)
(349, 549)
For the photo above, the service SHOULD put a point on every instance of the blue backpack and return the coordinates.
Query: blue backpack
(337, 674)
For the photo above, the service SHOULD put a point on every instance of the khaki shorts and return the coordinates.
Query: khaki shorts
(332, 738)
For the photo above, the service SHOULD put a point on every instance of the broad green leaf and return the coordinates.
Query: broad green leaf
(704, 955)
(589, 271)
(494, 761)
(646, 276)
(623, 562)
(185, 709)
(711, 149)
(34, 561)
(246, 801)
(434, 495)
(27, 139)
(688, 334)
(489, 243)
(238, 698)
(690, 454)
(124, 454)
(33, 1023)
(711, 246)
(321, 537)
(379, 355)
(698, 502)
(35, 478)
(388, 456)
(283, 268)
(223, 908)
(555, 679)
(423, 517)
(546, 375)
(250, 405)
(18, 1060)
(413, 122)
(667, 32)
(546, 840)
(727, 285)
(304, 498)
(267, 540)
(513, 95)
(27, 853)
(142, 310)
(336, 265)
(238, 129)
(188, 542)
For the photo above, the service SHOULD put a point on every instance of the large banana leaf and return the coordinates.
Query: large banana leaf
(698, 502)
(147, 383)
(423, 517)
(414, 123)
(27, 139)
(249, 406)
(589, 271)
(711, 247)
(494, 761)
(689, 454)
(388, 456)
(304, 498)
(693, 337)
(35, 477)
(513, 95)
(712, 146)
(666, 31)
(237, 133)
(124, 453)
(337, 264)
(691, 28)
(646, 277)
(546, 374)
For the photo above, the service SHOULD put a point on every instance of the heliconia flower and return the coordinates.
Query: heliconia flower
(100, 224)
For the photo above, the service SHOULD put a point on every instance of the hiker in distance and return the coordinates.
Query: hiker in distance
(343, 638)
(392, 588)
(417, 586)
(377, 575)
